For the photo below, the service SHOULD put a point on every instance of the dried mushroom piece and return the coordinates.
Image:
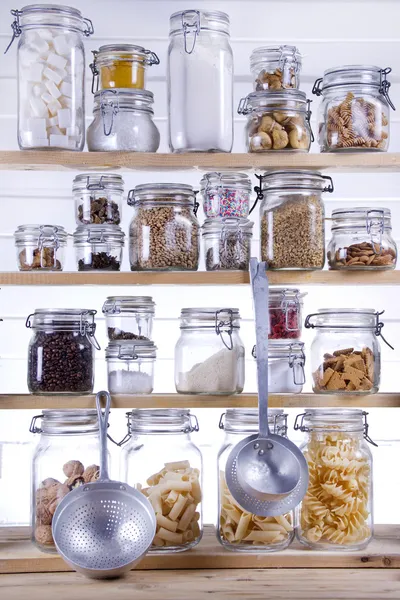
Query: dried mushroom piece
(346, 370)
(276, 80)
(279, 130)
(44, 258)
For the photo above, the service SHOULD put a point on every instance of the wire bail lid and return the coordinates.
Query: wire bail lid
(334, 420)
(131, 350)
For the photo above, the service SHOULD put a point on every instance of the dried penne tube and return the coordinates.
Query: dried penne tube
(188, 536)
(175, 466)
(242, 526)
(232, 512)
(177, 486)
(155, 499)
(154, 479)
(172, 498)
(166, 523)
(169, 536)
(272, 527)
(196, 516)
(158, 541)
(194, 526)
(177, 509)
(284, 521)
(196, 489)
(261, 536)
(228, 534)
(186, 517)
(172, 476)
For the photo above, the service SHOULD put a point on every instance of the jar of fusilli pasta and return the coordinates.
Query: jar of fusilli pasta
(161, 460)
(237, 529)
(337, 510)
(355, 107)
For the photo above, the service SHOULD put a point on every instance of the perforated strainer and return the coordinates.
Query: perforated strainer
(103, 529)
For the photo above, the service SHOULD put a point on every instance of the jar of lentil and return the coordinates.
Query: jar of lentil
(161, 460)
(99, 247)
(61, 351)
(277, 121)
(286, 362)
(130, 366)
(65, 457)
(98, 198)
(337, 511)
(362, 239)
(355, 110)
(227, 244)
(40, 247)
(129, 317)
(225, 194)
(121, 66)
(292, 219)
(209, 355)
(275, 67)
(164, 231)
(285, 313)
(237, 530)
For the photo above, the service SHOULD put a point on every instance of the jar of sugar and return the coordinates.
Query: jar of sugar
(130, 366)
(51, 65)
(285, 367)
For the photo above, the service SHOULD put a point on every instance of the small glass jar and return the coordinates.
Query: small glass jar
(345, 353)
(362, 239)
(285, 313)
(60, 354)
(275, 68)
(354, 113)
(40, 247)
(123, 121)
(164, 232)
(337, 510)
(292, 218)
(277, 121)
(160, 452)
(130, 366)
(51, 65)
(99, 247)
(65, 457)
(129, 317)
(209, 355)
(286, 362)
(227, 244)
(121, 66)
(225, 194)
(98, 198)
(255, 534)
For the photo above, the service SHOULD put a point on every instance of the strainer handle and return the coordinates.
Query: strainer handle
(103, 425)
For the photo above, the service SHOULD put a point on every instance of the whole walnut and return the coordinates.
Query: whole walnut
(73, 467)
(46, 483)
(74, 481)
(43, 535)
(260, 141)
(56, 494)
(298, 138)
(42, 496)
(43, 514)
(91, 473)
(280, 139)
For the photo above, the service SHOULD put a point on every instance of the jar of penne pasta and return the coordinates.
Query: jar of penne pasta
(161, 461)
(336, 512)
(237, 529)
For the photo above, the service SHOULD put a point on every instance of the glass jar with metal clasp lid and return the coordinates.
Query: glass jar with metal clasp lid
(362, 239)
(225, 195)
(209, 355)
(130, 366)
(286, 362)
(227, 244)
(285, 313)
(40, 247)
(121, 66)
(99, 247)
(98, 198)
(129, 317)
(275, 67)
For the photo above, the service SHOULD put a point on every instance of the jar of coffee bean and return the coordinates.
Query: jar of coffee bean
(61, 351)
(129, 317)
(164, 231)
(98, 198)
(99, 247)
(227, 244)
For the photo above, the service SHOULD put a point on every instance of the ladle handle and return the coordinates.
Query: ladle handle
(259, 282)
(103, 425)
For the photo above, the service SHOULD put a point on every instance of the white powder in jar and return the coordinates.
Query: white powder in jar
(129, 382)
(280, 378)
(218, 374)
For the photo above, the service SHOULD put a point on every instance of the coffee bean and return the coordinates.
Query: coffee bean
(117, 334)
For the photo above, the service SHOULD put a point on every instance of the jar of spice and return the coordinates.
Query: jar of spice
(286, 362)
(164, 231)
(362, 239)
(99, 247)
(65, 457)
(225, 194)
(337, 510)
(209, 355)
(40, 247)
(355, 110)
(275, 68)
(60, 355)
(237, 530)
(130, 365)
(161, 460)
(129, 317)
(121, 66)
(98, 198)
(285, 313)
(227, 244)
(277, 121)
(123, 121)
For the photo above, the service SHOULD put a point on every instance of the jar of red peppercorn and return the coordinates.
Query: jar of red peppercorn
(285, 310)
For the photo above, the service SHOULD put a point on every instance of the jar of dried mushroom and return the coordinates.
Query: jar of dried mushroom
(337, 510)
(285, 313)
(277, 121)
(286, 362)
(164, 231)
(98, 198)
(227, 244)
(99, 247)
(121, 66)
(362, 239)
(275, 68)
(161, 460)
(355, 110)
(40, 247)
(292, 219)
(129, 317)
(238, 530)
(345, 353)
(65, 457)
(61, 351)
(130, 366)
(225, 194)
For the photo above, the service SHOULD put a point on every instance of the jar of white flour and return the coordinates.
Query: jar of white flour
(285, 366)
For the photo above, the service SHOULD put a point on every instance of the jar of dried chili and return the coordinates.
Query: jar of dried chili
(285, 310)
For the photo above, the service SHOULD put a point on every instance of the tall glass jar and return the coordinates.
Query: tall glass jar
(51, 67)
(40, 247)
(99, 247)
(161, 460)
(225, 195)
(354, 113)
(286, 362)
(209, 355)
(130, 366)
(362, 239)
(275, 68)
(98, 198)
(60, 354)
(337, 510)
(129, 317)
(121, 66)
(238, 530)
(200, 82)
(227, 244)
(285, 313)
(65, 457)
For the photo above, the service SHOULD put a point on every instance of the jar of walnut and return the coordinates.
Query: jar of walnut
(355, 110)
(164, 232)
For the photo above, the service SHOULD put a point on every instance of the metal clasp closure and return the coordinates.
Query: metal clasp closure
(109, 109)
(32, 427)
(15, 26)
(95, 72)
(89, 29)
(128, 353)
(95, 186)
(131, 198)
(220, 325)
(195, 203)
(88, 329)
(303, 428)
(317, 87)
(375, 228)
(152, 58)
(52, 239)
(367, 438)
(191, 26)
(286, 305)
(297, 362)
(221, 421)
(308, 119)
(243, 108)
(258, 191)
(194, 424)
(329, 188)
(385, 85)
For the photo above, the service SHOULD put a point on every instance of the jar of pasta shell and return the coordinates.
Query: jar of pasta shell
(355, 110)
(337, 510)
(238, 530)
(160, 459)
